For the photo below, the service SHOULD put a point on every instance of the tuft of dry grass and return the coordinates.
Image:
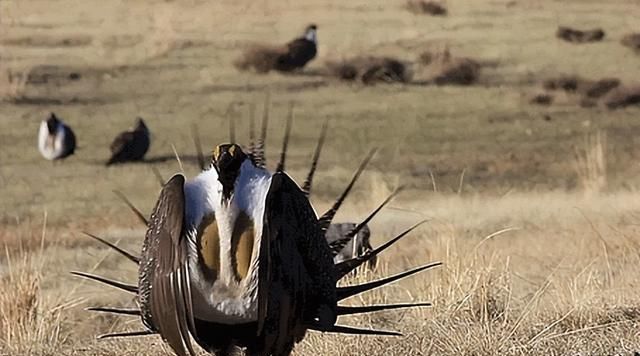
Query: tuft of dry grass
(591, 163)
(29, 325)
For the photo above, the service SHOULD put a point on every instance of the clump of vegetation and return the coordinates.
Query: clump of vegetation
(590, 93)
(442, 68)
(631, 40)
(27, 327)
(423, 7)
(623, 97)
(542, 99)
(579, 36)
(371, 70)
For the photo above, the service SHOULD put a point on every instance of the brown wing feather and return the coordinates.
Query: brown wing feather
(296, 268)
(165, 294)
(121, 141)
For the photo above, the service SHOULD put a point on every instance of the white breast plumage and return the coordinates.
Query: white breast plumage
(220, 302)
(51, 146)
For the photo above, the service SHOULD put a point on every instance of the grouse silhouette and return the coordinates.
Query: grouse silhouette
(56, 140)
(130, 145)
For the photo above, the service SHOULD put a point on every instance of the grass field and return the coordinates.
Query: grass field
(478, 159)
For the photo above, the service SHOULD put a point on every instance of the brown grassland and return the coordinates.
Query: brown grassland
(534, 210)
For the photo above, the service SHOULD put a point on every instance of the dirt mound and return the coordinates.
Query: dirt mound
(579, 36)
(371, 70)
(622, 97)
(426, 8)
(631, 40)
(260, 58)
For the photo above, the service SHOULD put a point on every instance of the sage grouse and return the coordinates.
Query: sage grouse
(357, 246)
(56, 140)
(236, 258)
(130, 145)
(300, 51)
(284, 58)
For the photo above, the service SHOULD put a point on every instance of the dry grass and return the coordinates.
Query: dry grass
(30, 324)
(496, 293)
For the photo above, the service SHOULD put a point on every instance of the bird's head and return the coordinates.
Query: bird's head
(140, 125)
(227, 160)
(311, 33)
(52, 123)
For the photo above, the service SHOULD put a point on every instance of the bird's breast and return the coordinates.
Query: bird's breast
(225, 246)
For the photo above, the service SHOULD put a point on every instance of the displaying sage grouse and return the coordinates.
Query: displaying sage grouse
(56, 140)
(236, 258)
(300, 51)
(294, 55)
(130, 145)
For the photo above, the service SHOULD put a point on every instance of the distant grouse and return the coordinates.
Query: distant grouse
(357, 246)
(294, 55)
(130, 145)
(56, 140)
(299, 51)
